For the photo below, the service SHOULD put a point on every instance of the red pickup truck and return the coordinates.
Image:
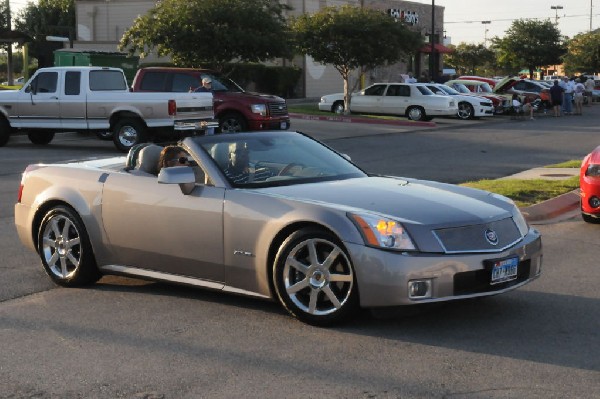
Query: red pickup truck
(237, 110)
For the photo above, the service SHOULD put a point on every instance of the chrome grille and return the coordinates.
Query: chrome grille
(278, 109)
(473, 238)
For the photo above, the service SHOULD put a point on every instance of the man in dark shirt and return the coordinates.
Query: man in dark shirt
(238, 169)
(556, 96)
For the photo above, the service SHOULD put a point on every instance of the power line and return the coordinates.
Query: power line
(514, 19)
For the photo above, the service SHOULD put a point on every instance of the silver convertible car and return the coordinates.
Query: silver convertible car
(295, 222)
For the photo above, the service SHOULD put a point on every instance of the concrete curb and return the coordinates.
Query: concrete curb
(553, 207)
(351, 119)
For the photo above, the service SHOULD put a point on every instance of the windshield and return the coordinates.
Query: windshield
(272, 159)
(461, 88)
(448, 90)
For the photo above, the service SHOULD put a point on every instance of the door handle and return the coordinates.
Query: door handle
(53, 98)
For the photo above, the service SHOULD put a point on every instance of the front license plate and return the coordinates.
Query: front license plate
(283, 125)
(504, 270)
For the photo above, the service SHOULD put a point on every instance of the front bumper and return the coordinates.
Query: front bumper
(383, 276)
(270, 124)
(196, 125)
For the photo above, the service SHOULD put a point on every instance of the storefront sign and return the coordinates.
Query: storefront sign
(409, 17)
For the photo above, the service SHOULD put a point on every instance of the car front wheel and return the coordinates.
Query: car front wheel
(232, 123)
(338, 107)
(314, 278)
(65, 250)
(40, 138)
(465, 111)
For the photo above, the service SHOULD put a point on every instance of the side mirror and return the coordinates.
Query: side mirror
(182, 175)
(33, 86)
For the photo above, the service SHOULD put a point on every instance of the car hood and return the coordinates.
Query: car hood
(505, 84)
(249, 96)
(410, 200)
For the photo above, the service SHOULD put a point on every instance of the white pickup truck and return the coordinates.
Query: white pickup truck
(97, 99)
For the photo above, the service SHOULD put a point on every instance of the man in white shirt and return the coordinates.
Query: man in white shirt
(589, 89)
(568, 87)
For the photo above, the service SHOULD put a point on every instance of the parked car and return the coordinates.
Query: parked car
(469, 107)
(481, 89)
(413, 100)
(525, 88)
(589, 183)
(492, 82)
(236, 109)
(97, 99)
(314, 231)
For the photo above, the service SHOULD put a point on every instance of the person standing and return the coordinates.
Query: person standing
(556, 96)
(568, 86)
(578, 93)
(589, 89)
(206, 88)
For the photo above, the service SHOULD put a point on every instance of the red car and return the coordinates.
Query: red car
(589, 183)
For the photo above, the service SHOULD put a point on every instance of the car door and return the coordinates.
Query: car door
(369, 100)
(73, 102)
(39, 106)
(156, 227)
(396, 99)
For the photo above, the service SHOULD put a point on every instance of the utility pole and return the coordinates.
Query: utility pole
(556, 8)
(485, 32)
(432, 68)
(9, 63)
(591, 6)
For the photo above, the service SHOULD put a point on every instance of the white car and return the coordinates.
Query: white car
(469, 107)
(413, 100)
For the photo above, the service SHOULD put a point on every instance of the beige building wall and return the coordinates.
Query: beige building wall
(101, 24)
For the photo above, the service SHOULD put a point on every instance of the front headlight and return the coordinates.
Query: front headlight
(593, 170)
(382, 232)
(259, 109)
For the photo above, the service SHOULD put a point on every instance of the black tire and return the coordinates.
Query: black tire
(416, 113)
(232, 122)
(465, 110)
(65, 250)
(320, 291)
(127, 133)
(40, 138)
(338, 107)
(106, 135)
(5, 131)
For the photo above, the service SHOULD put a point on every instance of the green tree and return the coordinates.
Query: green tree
(530, 44)
(350, 38)
(210, 33)
(583, 53)
(46, 18)
(468, 58)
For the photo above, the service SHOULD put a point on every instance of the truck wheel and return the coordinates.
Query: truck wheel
(40, 138)
(127, 133)
(4, 132)
(232, 123)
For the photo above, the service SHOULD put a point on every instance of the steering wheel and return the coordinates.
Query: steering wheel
(289, 167)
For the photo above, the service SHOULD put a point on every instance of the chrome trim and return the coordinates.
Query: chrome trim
(154, 275)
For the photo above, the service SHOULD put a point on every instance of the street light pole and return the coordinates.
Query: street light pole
(556, 8)
(485, 32)
(432, 68)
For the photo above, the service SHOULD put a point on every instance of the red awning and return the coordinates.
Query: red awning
(439, 48)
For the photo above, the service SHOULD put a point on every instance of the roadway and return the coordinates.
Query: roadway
(125, 338)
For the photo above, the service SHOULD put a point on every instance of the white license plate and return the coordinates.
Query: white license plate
(504, 270)
(283, 125)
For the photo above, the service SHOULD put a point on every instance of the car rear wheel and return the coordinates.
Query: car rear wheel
(314, 278)
(416, 113)
(127, 133)
(40, 138)
(465, 111)
(338, 107)
(65, 250)
(232, 123)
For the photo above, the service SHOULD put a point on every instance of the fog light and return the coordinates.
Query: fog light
(594, 202)
(419, 289)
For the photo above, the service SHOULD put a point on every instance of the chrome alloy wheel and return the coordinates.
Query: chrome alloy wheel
(127, 136)
(61, 246)
(318, 277)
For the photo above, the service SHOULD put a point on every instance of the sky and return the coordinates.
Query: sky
(462, 18)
